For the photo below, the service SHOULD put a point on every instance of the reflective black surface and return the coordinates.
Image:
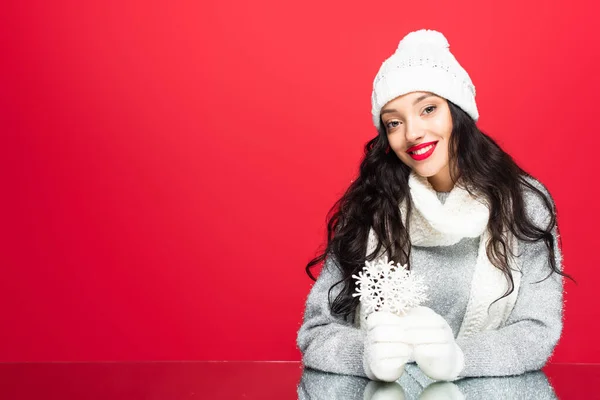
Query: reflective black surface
(275, 380)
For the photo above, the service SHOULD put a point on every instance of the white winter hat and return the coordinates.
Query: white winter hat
(423, 63)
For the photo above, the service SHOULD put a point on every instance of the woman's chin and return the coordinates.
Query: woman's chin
(426, 171)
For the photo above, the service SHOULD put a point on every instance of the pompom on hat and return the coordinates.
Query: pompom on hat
(423, 63)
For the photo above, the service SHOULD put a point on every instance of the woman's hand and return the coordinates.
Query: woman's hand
(386, 350)
(434, 347)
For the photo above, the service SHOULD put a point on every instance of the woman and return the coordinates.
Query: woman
(437, 194)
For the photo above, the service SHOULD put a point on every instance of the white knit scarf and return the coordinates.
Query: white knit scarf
(461, 215)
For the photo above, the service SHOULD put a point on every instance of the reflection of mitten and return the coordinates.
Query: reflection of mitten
(442, 390)
(383, 391)
(435, 350)
(385, 352)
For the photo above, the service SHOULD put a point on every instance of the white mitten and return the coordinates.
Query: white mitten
(385, 352)
(435, 350)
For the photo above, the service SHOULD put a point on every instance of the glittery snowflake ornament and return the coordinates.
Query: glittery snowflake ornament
(383, 286)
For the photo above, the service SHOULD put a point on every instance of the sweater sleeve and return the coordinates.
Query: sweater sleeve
(528, 338)
(530, 385)
(328, 343)
(319, 385)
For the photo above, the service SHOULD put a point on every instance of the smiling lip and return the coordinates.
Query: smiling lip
(419, 157)
(419, 146)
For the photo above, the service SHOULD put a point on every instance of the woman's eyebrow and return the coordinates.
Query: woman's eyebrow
(420, 98)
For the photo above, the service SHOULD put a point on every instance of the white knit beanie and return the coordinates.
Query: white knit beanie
(423, 63)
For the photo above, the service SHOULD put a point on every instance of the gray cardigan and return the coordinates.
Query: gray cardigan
(524, 343)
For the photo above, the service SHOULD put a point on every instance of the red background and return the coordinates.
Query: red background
(167, 167)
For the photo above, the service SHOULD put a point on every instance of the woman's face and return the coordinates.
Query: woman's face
(421, 122)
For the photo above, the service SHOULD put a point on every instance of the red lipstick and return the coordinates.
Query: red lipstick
(425, 155)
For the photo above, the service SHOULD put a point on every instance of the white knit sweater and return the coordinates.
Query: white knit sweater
(522, 342)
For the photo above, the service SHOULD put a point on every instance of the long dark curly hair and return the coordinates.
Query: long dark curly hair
(372, 201)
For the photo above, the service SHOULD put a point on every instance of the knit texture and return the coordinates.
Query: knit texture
(524, 342)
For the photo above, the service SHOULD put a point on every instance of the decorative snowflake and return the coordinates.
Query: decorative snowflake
(383, 286)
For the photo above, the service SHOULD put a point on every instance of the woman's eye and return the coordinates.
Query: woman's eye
(392, 122)
(430, 107)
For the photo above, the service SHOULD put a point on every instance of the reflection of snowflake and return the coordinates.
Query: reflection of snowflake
(383, 286)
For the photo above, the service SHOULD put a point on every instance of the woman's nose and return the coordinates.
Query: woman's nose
(413, 133)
